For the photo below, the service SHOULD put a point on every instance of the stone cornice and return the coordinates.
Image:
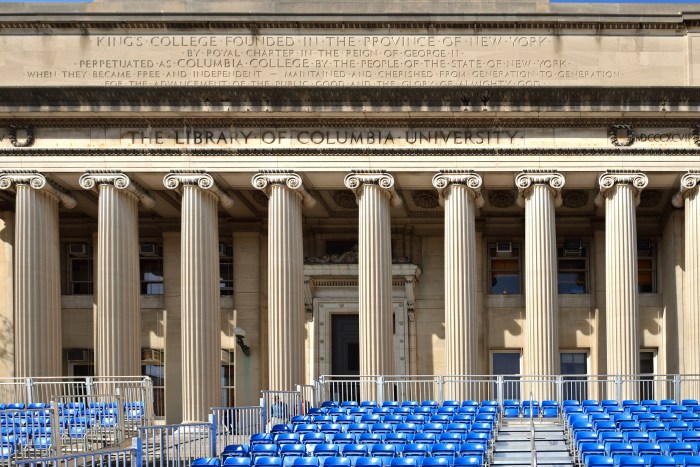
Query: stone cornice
(38, 182)
(227, 102)
(443, 179)
(689, 182)
(120, 180)
(610, 178)
(527, 178)
(203, 180)
(357, 178)
(265, 178)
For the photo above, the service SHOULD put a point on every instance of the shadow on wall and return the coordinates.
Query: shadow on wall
(7, 354)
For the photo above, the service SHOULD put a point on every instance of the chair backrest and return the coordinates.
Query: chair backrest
(440, 461)
(267, 461)
(337, 462)
(382, 450)
(370, 438)
(344, 438)
(599, 461)
(405, 462)
(416, 449)
(238, 461)
(444, 449)
(326, 450)
(207, 461)
(292, 450)
(263, 450)
(630, 460)
(659, 461)
(369, 461)
(306, 461)
(354, 450)
(469, 460)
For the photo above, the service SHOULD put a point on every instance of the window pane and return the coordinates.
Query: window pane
(504, 283)
(504, 264)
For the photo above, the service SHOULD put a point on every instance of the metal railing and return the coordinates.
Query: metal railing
(175, 445)
(234, 425)
(280, 406)
(502, 387)
(112, 458)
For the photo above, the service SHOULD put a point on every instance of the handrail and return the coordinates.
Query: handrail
(532, 432)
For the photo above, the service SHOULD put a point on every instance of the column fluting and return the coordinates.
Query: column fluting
(118, 317)
(200, 310)
(460, 194)
(539, 194)
(620, 191)
(37, 288)
(286, 313)
(375, 194)
(690, 314)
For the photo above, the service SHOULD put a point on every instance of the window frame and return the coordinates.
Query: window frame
(516, 255)
(653, 270)
(561, 256)
(87, 259)
(145, 284)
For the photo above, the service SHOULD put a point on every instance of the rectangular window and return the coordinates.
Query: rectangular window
(152, 365)
(80, 272)
(151, 263)
(574, 364)
(226, 269)
(228, 389)
(572, 265)
(646, 263)
(504, 268)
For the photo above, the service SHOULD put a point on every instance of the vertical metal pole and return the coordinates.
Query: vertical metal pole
(137, 444)
(560, 390)
(677, 388)
(263, 415)
(441, 389)
(55, 429)
(499, 390)
(121, 415)
(380, 390)
(88, 386)
(29, 383)
(212, 434)
(618, 389)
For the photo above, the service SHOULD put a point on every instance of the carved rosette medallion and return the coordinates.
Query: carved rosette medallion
(609, 179)
(357, 178)
(203, 180)
(689, 182)
(443, 179)
(426, 199)
(501, 198)
(621, 135)
(260, 198)
(38, 182)
(574, 199)
(528, 178)
(696, 135)
(120, 181)
(345, 199)
(267, 178)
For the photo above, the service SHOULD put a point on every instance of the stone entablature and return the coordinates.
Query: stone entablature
(406, 57)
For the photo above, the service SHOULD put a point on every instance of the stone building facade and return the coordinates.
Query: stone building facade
(363, 187)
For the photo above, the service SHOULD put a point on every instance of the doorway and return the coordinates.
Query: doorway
(345, 355)
(508, 365)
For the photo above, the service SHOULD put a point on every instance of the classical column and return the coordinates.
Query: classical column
(460, 194)
(201, 316)
(285, 269)
(540, 195)
(37, 273)
(690, 316)
(375, 193)
(118, 318)
(619, 192)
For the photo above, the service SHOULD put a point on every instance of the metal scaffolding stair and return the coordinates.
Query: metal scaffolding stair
(513, 445)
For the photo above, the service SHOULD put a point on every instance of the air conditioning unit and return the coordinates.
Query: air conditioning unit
(79, 250)
(149, 250)
(224, 250)
(504, 248)
(79, 355)
(573, 247)
(153, 356)
(227, 357)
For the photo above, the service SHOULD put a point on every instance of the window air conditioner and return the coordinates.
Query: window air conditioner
(504, 248)
(78, 250)
(149, 250)
(78, 355)
(573, 247)
(151, 356)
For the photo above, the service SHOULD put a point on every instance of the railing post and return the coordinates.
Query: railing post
(618, 389)
(499, 390)
(212, 434)
(88, 386)
(380, 390)
(56, 429)
(560, 390)
(441, 389)
(263, 414)
(677, 387)
(137, 444)
(29, 383)
(121, 415)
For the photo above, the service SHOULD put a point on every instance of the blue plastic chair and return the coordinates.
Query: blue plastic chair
(416, 449)
(267, 461)
(406, 462)
(369, 462)
(600, 461)
(206, 461)
(237, 461)
(471, 461)
(337, 462)
(437, 462)
(630, 461)
(306, 461)
(661, 461)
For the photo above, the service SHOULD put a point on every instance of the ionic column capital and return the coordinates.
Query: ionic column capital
(527, 178)
(637, 180)
(120, 181)
(266, 178)
(445, 178)
(357, 178)
(203, 180)
(38, 182)
(689, 182)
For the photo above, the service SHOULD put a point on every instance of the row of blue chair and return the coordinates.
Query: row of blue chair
(361, 450)
(479, 424)
(546, 409)
(642, 461)
(343, 462)
(461, 414)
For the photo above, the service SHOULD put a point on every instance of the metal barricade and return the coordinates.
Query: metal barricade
(411, 388)
(111, 458)
(347, 387)
(279, 407)
(176, 445)
(308, 397)
(476, 388)
(235, 425)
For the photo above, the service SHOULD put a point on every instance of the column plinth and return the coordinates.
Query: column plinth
(460, 194)
(690, 315)
(286, 312)
(539, 195)
(118, 318)
(619, 193)
(200, 309)
(37, 288)
(375, 194)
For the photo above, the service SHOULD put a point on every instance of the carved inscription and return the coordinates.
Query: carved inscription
(338, 60)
